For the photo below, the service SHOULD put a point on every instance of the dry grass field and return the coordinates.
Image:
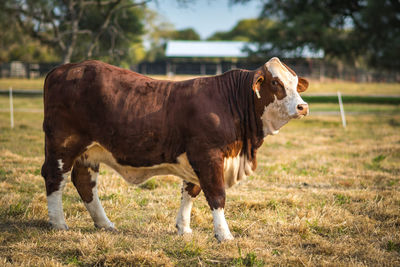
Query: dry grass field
(321, 195)
(21, 84)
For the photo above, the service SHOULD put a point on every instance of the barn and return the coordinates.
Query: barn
(216, 57)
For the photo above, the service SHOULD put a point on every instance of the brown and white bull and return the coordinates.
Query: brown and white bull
(205, 131)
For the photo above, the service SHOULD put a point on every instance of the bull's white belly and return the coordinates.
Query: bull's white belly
(235, 169)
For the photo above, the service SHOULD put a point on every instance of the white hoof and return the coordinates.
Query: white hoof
(183, 230)
(57, 226)
(224, 238)
(108, 227)
(221, 228)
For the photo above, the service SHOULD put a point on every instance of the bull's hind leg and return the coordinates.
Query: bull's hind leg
(55, 172)
(84, 177)
(62, 146)
(189, 192)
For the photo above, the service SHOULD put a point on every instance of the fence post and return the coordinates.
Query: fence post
(219, 68)
(341, 109)
(11, 108)
(203, 69)
(321, 72)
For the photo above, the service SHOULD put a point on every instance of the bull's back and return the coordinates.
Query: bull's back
(123, 111)
(98, 85)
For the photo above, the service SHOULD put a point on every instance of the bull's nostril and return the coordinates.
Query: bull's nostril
(300, 107)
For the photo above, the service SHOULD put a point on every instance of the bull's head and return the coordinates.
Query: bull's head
(277, 89)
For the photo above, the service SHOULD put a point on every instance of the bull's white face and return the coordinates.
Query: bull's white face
(285, 83)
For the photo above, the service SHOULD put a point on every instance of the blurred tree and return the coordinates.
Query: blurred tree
(79, 28)
(185, 34)
(378, 27)
(112, 43)
(158, 31)
(15, 45)
(245, 30)
(348, 30)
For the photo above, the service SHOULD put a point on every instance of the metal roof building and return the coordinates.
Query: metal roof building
(227, 49)
(215, 57)
(211, 49)
(207, 57)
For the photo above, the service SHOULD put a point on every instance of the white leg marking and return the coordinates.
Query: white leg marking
(221, 228)
(183, 218)
(96, 209)
(60, 164)
(55, 208)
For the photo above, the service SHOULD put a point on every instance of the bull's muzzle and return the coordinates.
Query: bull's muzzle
(302, 110)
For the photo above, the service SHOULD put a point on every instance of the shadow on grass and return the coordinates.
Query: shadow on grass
(7, 225)
(13, 226)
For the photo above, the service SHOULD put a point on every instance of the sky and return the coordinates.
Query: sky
(205, 16)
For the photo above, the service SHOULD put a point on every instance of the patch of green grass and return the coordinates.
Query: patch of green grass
(72, 256)
(341, 199)
(329, 232)
(14, 210)
(393, 182)
(275, 252)
(322, 169)
(393, 246)
(249, 260)
(273, 204)
(74, 261)
(378, 159)
(4, 174)
(150, 184)
(314, 226)
(289, 144)
(112, 196)
(376, 163)
(189, 250)
(36, 171)
(142, 202)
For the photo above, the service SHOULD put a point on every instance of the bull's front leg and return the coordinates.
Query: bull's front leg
(216, 200)
(209, 169)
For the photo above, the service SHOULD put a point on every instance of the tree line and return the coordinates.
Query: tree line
(357, 32)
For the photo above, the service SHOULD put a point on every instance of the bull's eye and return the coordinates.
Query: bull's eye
(274, 82)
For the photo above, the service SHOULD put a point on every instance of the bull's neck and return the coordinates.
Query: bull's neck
(241, 103)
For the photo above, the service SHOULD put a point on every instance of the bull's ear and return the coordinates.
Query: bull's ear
(302, 85)
(257, 81)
